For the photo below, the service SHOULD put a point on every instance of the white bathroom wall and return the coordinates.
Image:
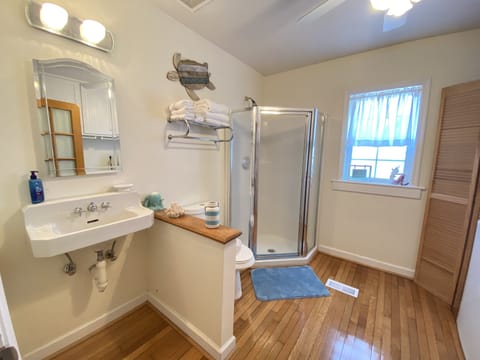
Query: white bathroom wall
(378, 230)
(45, 303)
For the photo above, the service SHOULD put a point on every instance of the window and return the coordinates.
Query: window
(381, 135)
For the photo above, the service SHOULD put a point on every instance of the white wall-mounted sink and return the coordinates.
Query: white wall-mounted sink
(59, 226)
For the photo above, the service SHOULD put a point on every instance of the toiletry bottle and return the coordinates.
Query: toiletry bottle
(36, 188)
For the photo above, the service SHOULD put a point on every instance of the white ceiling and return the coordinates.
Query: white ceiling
(265, 34)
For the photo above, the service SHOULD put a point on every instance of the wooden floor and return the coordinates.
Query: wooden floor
(392, 318)
(142, 334)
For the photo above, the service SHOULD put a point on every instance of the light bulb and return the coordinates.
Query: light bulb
(92, 31)
(53, 16)
(399, 7)
(381, 4)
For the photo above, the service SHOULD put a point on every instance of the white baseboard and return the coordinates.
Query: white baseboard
(84, 330)
(218, 353)
(363, 260)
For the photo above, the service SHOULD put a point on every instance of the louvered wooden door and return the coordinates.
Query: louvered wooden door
(448, 218)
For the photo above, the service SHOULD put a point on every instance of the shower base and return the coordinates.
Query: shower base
(286, 261)
(278, 251)
(274, 244)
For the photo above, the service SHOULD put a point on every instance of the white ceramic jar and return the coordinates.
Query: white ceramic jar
(212, 214)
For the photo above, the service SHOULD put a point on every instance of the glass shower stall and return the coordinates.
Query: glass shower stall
(275, 160)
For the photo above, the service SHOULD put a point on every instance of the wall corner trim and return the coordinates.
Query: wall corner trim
(373, 263)
(218, 353)
(84, 330)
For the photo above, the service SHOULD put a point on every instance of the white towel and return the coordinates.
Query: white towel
(182, 112)
(206, 105)
(187, 116)
(182, 104)
(214, 122)
(216, 117)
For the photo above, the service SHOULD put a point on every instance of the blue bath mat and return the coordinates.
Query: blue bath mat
(287, 283)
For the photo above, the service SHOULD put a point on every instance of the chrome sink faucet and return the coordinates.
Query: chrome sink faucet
(105, 205)
(92, 207)
(78, 211)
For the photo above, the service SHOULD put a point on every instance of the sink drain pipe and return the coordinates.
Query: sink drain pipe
(99, 271)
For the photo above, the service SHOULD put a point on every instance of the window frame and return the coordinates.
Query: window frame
(414, 178)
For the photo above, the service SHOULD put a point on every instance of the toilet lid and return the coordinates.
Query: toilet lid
(244, 255)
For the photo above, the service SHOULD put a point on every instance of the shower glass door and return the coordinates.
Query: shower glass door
(281, 157)
(274, 179)
(241, 167)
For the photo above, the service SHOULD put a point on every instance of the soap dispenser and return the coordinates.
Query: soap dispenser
(36, 188)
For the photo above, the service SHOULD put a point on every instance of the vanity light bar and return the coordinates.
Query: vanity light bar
(56, 20)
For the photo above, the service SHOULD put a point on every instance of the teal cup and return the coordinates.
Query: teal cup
(153, 201)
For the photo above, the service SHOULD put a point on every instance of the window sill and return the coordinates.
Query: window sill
(409, 192)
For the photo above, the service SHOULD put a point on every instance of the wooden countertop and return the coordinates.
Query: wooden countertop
(222, 234)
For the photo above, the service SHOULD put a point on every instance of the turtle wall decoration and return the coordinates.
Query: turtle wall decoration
(191, 74)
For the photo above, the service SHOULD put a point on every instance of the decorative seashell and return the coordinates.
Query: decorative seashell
(174, 211)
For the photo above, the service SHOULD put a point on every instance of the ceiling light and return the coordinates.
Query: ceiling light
(92, 31)
(399, 7)
(53, 16)
(381, 4)
(194, 5)
(394, 7)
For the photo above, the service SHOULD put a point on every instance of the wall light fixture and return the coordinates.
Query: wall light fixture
(56, 20)
(53, 16)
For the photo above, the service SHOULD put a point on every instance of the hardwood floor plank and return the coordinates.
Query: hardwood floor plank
(286, 313)
(429, 326)
(349, 344)
(378, 330)
(290, 338)
(192, 354)
(325, 339)
(420, 323)
(386, 352)
(404, 327)
(145, 347)
(342, 327)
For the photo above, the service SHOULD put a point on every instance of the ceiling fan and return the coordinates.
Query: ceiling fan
(395, 11)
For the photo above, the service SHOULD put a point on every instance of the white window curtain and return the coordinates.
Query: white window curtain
(384, 118)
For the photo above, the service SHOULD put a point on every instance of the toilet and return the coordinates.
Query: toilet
(244, 256)
(243, 260)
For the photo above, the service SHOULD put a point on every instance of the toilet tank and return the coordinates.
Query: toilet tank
(196, 209)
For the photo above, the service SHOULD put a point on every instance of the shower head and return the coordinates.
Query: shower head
(251, 101)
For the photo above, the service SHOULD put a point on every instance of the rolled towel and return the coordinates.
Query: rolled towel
(181, 112)
(187, 116)
(214, 122)
(217, 117)
(189, 108)
(182, 104)
(205, 105)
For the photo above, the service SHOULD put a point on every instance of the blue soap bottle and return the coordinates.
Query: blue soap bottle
(36, 188)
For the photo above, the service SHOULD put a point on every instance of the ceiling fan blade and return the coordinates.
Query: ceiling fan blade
(393, 22)
(322, 8)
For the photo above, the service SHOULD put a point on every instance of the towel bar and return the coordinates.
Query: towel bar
(187, 135)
